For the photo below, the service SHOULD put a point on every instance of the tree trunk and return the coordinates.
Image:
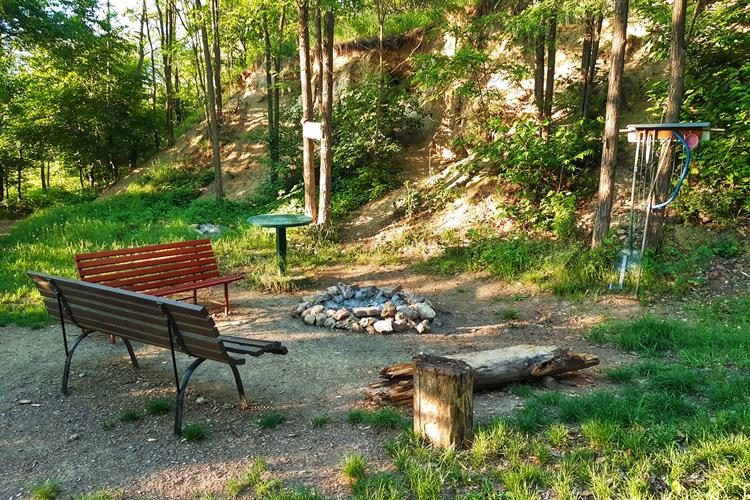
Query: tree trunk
(42, 176)
(269, 87)
(588, 36)
(153, 78)
(539, 77)
(611, 124)
(492, 369)
(443, 401)
(381, 69)
(549, 90)
(19, 179)
(2, 183)
(326, 115)
(275, 154)
(80, 174)
(217, 59)
(213, 120)
(592, 66)
(308, 167)
(48, 174)
(177, 99)
(166, 28)
(662, 184)
(141, 42)
(318, 74)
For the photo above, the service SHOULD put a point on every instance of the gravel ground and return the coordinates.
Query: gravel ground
(80, 442)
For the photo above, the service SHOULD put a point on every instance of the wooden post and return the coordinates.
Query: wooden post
(443, 400)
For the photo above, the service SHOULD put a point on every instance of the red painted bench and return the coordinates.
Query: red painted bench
(158, 270)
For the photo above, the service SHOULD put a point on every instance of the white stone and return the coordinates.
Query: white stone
(425, 311)
(383, 326)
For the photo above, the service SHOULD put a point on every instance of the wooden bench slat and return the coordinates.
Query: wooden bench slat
(219, 280)
(154, 280)
(145, 249)
(86, 264)
(132, 301)
(137, 314)
(147, 263)
(155, 286)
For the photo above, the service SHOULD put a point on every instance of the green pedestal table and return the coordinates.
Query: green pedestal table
(280, 222)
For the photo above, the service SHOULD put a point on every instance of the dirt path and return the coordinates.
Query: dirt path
(69, 439)
(6, 226)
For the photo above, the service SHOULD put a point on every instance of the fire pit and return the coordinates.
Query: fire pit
(368, 309)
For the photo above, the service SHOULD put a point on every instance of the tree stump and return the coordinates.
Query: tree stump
(443, 400)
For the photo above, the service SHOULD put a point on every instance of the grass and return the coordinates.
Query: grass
(354, 467)
(158, 406)
(271, 419)
(194, 432)
(97, 495)
(106, 425)
(255, 479)
(382, 418)
(508, 314)
(129, 416)
(46, 490)
(320, 421)
(676, 425)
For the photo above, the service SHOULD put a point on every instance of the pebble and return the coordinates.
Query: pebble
(201, 400)
(73, 437)
(24, 401)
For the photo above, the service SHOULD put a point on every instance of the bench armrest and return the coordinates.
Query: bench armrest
(252, 347)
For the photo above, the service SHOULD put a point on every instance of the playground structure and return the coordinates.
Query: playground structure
(652, 143)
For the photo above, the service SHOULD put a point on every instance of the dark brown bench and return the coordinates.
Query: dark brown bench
(177, 326)
(160, 270)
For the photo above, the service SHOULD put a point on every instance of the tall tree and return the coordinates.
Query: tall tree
(326, 114)
(216, 40)
(269, 86)
(589, 56)
(166, 27)
(308, 167)
(671, 115)
(611, 124)
(213, 119)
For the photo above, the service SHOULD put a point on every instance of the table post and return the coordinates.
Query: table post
(281, 248)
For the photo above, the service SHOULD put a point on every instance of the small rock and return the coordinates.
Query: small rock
(329, 323)
(201, 400)
(24, 401)
(357, 328)
(82, 374)
(390, 290)
(330, 312)
(309, 319)
(341, 314)
(342, 325)
(549, 382)
(301, 308)
(73, 437)
(332, 290)
(383, 326)
(423, 327)
(408, 311)
(320, 319)
(365, 322)
(437, 322)
(317, 309)
(425, 311)
(400, 325)
(370, 329)
(362, 312)
(389, 310)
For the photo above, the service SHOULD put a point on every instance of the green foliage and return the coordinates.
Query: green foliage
(354, 467)
(271, 419)
(249, 478)
(320, 421)
(107, 425)
(194, 432)
(382, 418)
(129, 416)
(158, 406)
(46, 490)
(508, 314)
(365, 147)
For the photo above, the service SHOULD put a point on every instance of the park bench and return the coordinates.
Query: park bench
(160, 270)
(177, 326)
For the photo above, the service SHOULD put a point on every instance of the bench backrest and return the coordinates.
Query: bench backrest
(149, 268)
(132, 315)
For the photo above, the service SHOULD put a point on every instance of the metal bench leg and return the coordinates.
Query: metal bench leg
(240, 388)
(130, 352)
(195, 296)
(181, 394)
(226, 299)
(66, 371)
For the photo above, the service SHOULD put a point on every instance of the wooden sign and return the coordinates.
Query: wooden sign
(312, 130)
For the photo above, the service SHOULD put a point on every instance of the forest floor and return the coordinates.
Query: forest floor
(79, 442)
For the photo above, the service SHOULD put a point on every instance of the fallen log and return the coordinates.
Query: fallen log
(492, 369)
